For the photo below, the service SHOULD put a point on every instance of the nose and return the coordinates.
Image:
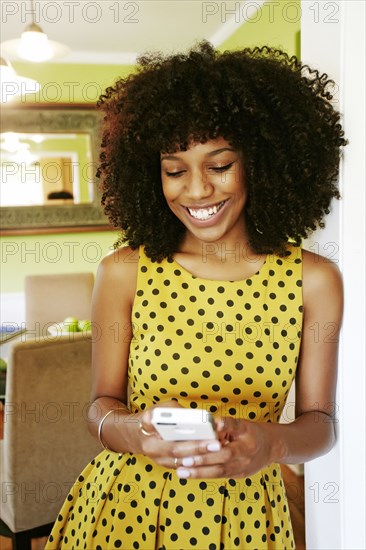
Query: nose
(198, 186)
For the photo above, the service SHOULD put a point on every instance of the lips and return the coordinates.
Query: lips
(205, 213)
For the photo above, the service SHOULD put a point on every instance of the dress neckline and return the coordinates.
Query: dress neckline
(197, 277)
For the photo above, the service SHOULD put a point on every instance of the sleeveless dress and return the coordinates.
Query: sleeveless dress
(230, 347)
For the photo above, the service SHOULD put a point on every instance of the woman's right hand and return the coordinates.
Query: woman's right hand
(169, 454)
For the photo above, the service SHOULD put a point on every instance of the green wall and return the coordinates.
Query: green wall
(66, 83)
(56, 253)
(275, 23)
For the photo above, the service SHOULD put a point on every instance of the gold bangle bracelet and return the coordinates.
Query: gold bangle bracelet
(101, 426)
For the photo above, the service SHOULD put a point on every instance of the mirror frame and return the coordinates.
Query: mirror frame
(46, 118)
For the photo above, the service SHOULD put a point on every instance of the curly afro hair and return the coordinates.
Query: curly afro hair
(269, 106)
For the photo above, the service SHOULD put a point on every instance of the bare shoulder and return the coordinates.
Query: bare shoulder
(319, 270)
(123, 259)
(322, 278)
(118, 270)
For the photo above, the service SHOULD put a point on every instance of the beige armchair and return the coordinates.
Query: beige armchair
(51, 298)
(46, 443)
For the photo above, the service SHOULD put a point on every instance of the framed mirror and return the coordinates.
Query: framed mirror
(49, 158)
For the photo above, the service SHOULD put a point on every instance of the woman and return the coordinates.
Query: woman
(215, 166)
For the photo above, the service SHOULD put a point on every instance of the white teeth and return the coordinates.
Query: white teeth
(205, 213)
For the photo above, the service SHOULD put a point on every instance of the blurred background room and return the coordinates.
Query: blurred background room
(57, 58)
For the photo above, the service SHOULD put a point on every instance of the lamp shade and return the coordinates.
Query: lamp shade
(34, 46)
(13, 85)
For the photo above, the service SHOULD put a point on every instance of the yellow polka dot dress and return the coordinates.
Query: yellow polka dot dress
(230, 347)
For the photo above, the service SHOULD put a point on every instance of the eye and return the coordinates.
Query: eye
(174, 174)
(219, 169)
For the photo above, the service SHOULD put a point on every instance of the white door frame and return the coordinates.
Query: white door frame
(333, 40)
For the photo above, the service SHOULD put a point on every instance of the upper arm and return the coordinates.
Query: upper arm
(112, 302)
(323, 305)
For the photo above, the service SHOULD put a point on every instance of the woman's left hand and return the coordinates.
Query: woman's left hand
(246, 448)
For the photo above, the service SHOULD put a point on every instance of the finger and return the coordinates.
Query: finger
(233, 468)
(145, 426)
(234, 457)
(173, 454)
(244, 445)
(185, 462)
(196, 447)
(172, 462)
(216, 471)
(232, 425)
(158, 449)
(168, 462)
(182, 459)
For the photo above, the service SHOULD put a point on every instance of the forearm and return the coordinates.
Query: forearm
(309, 436)
(119, 430)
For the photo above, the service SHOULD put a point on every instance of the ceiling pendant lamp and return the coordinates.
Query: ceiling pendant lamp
(13, 85)
(34, 45)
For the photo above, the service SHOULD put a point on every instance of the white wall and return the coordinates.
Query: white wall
(333, 39)
(12, 308)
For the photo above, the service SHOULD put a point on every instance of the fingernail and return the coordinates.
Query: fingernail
(214, 446)
(181, 472)
(188, 461)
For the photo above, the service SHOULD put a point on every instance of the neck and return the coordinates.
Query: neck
(229, 250)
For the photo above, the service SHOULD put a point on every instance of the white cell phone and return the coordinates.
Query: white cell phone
(180, 424)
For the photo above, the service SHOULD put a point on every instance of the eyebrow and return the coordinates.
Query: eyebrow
(210, 154)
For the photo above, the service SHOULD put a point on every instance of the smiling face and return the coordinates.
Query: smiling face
(204, 187)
